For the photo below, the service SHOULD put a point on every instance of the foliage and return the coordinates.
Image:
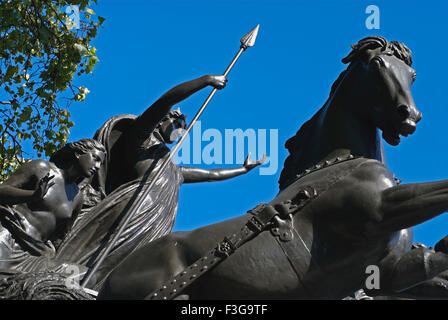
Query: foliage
(43, 45)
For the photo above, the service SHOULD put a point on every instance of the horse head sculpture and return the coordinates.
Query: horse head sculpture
(374, 92)
(386, 76)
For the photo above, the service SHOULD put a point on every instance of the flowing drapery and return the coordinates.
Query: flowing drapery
(94, 229)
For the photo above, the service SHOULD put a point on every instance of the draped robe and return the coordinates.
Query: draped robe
(97, 225)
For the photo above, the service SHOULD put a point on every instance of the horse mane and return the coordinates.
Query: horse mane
(294, 163)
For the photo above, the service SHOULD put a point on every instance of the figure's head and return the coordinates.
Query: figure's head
(85, 156)
(171, 126)
(386, 86)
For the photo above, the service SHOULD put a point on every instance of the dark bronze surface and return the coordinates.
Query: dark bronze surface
(360, 216)
(339, 209)
(54, 210)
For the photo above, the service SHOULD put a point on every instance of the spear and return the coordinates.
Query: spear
(247, 41)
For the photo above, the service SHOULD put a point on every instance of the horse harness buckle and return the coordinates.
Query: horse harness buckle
(283, 227)
(226, 248)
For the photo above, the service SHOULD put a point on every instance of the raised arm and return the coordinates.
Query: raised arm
(149, 119)
(192, 174)
(29, 183)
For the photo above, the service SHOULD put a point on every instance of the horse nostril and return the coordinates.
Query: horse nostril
(404, 111)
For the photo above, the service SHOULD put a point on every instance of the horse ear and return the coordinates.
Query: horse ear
(352, 55)
(364, 55)
(365, 49)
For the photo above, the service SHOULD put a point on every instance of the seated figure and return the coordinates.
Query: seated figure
(38, 204)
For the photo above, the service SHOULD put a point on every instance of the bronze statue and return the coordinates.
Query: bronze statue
(40, 201)
(135, 150)
(339, 209)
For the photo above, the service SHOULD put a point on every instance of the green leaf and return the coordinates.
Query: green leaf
(44, 34)
(81, 49)
(11, 71)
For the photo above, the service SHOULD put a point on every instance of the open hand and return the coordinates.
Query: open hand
(249, 164)
(217, 81)
(43, 186)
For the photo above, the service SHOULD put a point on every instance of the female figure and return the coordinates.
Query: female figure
(39, 202)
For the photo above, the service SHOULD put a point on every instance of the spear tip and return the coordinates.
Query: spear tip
(249, 39)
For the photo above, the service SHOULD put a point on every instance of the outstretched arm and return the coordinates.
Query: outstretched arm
(149, 119)
(192, 175)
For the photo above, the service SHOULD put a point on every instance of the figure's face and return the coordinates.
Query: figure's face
(169, 129)
(90, 162)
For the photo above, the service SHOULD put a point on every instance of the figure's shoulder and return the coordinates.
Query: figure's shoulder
(37, 168)
(38, 165)
(29, 173)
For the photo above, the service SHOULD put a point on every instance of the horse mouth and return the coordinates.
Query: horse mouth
(407, 127)
(393, 136)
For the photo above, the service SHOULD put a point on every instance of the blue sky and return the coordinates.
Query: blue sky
(147, 47)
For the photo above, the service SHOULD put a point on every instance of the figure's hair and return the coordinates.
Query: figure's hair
(65, 156)
(173, 114)
(294, 164)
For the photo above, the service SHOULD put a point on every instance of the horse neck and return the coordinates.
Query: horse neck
(341, 131)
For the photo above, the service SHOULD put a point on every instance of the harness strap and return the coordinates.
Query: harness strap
(289, 239)
(262, 216)
(292, 249)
